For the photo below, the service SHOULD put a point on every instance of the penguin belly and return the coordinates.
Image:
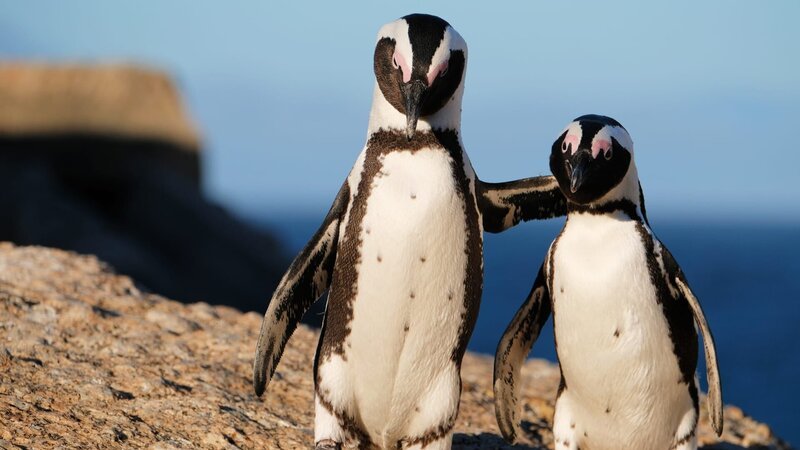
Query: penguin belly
(409, 303)
(623, 386)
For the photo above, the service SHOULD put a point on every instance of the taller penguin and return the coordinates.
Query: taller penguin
(402, 252)
(624, 316)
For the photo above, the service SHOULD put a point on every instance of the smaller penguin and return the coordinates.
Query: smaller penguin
(624, 315)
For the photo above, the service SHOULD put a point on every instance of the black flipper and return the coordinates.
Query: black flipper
(512, 351)
(677, 280)
(307, 279)
(504, 205)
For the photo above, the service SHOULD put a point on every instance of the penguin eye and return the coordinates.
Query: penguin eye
(564, 146)
(443, 72)
(608, 154)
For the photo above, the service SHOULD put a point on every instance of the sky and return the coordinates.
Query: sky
(709, 91)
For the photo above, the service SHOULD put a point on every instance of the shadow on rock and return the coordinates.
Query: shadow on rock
(485, 441)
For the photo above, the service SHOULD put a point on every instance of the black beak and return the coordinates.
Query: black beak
(413, 94)
(578, 166)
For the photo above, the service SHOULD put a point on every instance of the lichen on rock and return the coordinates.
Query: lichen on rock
(87, 360)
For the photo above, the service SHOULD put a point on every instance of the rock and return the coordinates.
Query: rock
(102, 99)
(103, 159)
(88, 360)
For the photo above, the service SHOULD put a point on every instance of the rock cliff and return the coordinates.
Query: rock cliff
(104, 159)
(87, 360)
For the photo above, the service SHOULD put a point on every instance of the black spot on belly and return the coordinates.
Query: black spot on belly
(423, 259)
(413, 196)
(412, 295)
(380, 258)
(608, 409)
(616, 332)
(405, 328)
(562, 289)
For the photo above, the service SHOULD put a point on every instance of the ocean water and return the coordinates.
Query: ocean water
(747, 277)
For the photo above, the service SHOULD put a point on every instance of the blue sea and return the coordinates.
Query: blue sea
(747, 276)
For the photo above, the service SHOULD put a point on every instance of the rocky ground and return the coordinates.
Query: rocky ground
(89, 361)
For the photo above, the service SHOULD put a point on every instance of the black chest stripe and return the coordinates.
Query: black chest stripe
(473, 277)
(680, 320)
(553, 295)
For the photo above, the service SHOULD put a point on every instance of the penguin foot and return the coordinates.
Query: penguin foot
(328, 444)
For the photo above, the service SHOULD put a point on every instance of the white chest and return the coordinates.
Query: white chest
(409, 301)
(413, 239)
(612, 336)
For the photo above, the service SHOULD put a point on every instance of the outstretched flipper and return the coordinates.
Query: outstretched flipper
(307, 279)
(504, 205)
(714, 398)
(512, 350)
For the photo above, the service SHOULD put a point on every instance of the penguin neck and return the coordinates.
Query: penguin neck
(623, 201)
(384, 116)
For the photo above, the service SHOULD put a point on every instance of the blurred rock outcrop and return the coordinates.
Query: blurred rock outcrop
(103, 159)
(89, 361)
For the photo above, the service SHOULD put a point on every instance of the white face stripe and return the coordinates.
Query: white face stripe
(573, 138)
(398, 31)
(450, 41)
(601, 141)
(622, 136)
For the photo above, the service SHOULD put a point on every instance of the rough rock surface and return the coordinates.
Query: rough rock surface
(89, 361)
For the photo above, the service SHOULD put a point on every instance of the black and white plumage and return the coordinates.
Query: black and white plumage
(624, 316)
(402, 253)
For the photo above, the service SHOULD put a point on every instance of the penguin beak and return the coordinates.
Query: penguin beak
(578, 166)
(413, 93)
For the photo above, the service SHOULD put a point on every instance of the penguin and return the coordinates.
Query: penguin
(623, 313)
(401, 254)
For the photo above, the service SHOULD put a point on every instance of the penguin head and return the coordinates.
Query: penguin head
(419, 64)
(592, 156)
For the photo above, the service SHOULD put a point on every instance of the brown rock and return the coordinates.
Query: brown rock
(104, 159)
(104, 99)
(88, 361)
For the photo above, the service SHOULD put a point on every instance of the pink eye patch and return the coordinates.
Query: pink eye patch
(600, 145)
(571, 142)
(399, 61)
(441, 69)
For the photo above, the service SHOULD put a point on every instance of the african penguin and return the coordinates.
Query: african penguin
(624, 316)
(401, 250)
